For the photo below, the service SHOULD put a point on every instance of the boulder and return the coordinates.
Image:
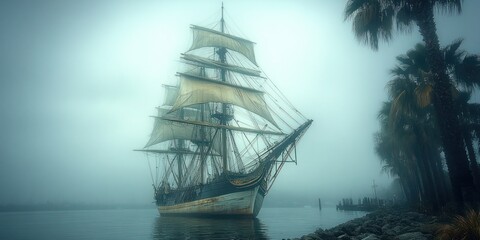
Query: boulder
(412, 236)
(371, 237)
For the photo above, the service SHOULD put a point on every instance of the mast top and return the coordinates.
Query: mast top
(222, 21)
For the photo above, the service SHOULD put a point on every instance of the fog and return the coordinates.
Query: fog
(79, 80)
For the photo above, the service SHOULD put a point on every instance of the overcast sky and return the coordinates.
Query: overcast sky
(79, 80)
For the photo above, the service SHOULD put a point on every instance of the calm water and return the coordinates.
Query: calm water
(271, 223)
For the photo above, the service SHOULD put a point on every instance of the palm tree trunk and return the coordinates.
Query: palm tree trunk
(438, 173)
(406, 189)
(473, 159)
(437, 181)
(447, 120)
(429, 194)
(414, 185)
(407, 192)
(419, 180)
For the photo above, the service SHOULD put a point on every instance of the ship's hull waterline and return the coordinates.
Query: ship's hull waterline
(245, 203)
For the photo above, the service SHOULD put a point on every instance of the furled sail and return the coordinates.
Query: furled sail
(173, 152)
(195, 90)
(204, 37)
(206, 62)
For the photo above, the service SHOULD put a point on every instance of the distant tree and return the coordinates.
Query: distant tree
(373, 20)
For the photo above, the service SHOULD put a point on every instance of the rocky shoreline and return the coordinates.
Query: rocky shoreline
(382, 224)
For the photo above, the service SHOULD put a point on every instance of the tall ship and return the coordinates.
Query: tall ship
(223, 132)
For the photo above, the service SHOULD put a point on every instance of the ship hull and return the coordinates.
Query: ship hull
(244, 203)
(233, 195)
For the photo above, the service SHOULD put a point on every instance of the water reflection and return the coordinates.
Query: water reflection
(208, 228)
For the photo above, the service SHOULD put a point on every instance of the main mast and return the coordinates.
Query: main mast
(223, 119)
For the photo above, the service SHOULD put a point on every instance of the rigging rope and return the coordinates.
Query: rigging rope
(150, 168)
(283, 95)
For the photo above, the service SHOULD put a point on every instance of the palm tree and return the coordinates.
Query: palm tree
(470, 124)
(396, 150)
(416, 149)
(464, 70)
(409, 113)
(373, 20)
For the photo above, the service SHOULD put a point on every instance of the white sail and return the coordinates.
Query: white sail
(204, 37)
(171, 93)
(188, 113)
(164, 130)
(168, 126)
(195, 90)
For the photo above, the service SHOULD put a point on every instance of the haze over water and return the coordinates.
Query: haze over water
(272, 223)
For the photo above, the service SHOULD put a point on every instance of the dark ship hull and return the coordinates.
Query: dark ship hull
(231, 194)
(214, 199)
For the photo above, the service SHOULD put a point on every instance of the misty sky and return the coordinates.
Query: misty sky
(79, 80)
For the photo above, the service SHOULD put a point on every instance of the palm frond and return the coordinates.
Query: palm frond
(448, 6)
(371, 21)
(467, 72)
(404, 18)
(353, 6)
(423, 94)
(452, 54)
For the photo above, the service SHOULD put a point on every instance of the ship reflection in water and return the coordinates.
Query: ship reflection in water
(208, 228)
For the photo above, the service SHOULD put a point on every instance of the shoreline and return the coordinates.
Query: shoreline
(401, 224)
